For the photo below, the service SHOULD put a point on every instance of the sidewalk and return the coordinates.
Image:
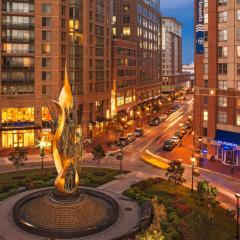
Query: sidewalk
(184, 153)
(104, 137)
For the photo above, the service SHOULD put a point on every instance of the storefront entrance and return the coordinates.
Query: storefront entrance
(228, 155)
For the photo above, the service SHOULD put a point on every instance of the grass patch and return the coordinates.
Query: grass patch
(187, 216)
(14, 182)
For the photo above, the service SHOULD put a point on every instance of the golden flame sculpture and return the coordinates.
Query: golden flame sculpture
(66, 143)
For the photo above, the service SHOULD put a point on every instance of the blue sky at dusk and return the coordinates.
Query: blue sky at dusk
(183, 10)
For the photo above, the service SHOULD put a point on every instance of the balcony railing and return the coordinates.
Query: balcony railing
(17, 39)
(18, 25)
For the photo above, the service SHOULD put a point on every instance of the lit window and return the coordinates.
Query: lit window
(205, 115)
(222, 101)
(222, 85)
(126, 31)
(238, 120)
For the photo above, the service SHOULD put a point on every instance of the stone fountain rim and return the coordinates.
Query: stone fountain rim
(43, 232)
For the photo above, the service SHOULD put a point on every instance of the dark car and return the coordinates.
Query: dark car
(169, 145)
(138, 132)
(178, 134)
(123, 142)
(153, 123)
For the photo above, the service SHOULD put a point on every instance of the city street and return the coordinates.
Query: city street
(153, 140)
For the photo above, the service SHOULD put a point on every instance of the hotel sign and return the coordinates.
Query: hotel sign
(199, 28)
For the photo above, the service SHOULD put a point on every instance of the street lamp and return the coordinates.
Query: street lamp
(193, 166)
(200, 149)
(42, 146)
(237, 233)
(120, 158)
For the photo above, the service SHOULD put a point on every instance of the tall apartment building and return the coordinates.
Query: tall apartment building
(139, 22)
(36, 39)
(217, 79)
(171, 54)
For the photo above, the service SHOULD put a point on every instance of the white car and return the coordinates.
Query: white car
(175, 139)
(131, 137)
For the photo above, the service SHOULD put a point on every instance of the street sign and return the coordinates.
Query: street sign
(199, 28)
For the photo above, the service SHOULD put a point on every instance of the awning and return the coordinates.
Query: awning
(228, 138)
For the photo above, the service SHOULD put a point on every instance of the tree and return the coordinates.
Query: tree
(207, 192)
(175, 173)
(98, 152)
(18, 156)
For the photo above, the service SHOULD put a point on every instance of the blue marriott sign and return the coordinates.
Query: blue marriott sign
(199, 28)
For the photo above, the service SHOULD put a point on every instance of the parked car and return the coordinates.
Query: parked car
(138, 132)
(179, 134)
(123, 142)
(131, 137)
(175, 139)
(162, 117)
(169, 145)
(153, 123)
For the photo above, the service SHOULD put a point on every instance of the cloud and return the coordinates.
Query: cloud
(176, 4)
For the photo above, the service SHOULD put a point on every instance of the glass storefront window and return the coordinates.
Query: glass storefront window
(18, 138)
(46, 115)
(10, 115)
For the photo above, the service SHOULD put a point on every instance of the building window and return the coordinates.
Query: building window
(205, 52)
(222, 84)
(205, 83)
(205, 115)
(205, 3)
(13, 115)
(238, 34)
(222, 117)
(238, 85)
(46, 35)
(44, 89)
(46, 76)
(222, 51)
(46, 62)
(46, 48)
(126, 31)
(205, 100)
(238, 120)
(222, 101)
(206, 18)
(238, 51)
(238, 103)
(205, 36)
(205, 68)
(46, 21)
(205, 132)
(222, 2)
(126, 19)
(238, 13)
(18, 138)
(222, 68)
(222, 16)
(238, 69)
(223, 35)
(46, 8)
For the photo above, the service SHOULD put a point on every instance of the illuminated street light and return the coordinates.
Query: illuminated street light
(193, 159)
(42, 145)
(237, 195)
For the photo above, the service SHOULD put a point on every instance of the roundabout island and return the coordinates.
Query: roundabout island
(67, 211)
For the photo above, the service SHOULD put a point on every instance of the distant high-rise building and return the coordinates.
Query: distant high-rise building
(37, 37)
(171, 54)
(136, 29)
(217, 81)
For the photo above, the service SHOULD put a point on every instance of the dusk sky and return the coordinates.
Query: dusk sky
(183, 10)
